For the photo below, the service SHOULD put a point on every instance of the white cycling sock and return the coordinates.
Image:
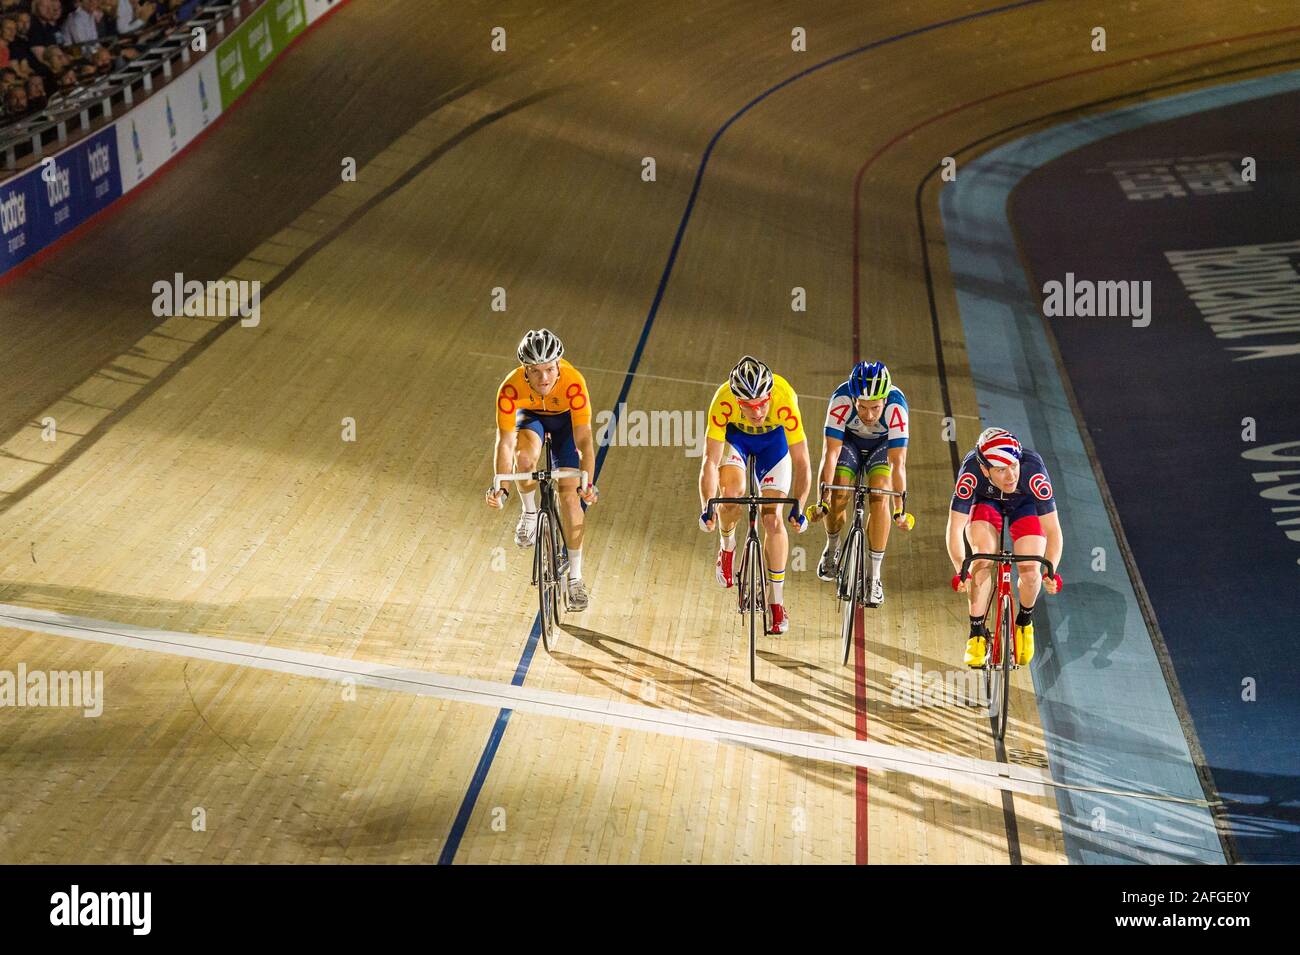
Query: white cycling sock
(575, 564)
(876, 557)
(530, 501)
(729, 540)
(776, 584)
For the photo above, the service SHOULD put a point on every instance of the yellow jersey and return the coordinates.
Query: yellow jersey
(782, 412)
(569, 393)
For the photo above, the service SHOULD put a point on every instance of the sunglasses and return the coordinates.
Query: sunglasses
(754, 405)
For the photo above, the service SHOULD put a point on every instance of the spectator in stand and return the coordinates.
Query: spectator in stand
(36, 95)
(9, 34)
(133, 15)
(20, 49)
(67, 80)
(52, 64)
(102, 61)
(45, 27)
(108, 19)
(15, 102)
(82, 25)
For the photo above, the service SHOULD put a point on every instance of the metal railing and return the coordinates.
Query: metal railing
(73, 115)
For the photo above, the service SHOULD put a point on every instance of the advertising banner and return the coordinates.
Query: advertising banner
(56, 196)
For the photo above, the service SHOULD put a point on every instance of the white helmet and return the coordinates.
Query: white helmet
(750, 379)
(539, 346)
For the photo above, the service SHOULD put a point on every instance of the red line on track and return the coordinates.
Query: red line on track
(859, 636)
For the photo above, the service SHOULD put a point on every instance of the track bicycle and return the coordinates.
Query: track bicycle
(550, 549)
(853, 586)
(752, 579)
(1001, 658)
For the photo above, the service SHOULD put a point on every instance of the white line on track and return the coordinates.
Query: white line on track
(872, 755)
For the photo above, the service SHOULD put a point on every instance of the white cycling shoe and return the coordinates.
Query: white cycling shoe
(526, 529)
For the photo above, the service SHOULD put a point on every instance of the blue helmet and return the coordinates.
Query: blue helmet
(870, 380)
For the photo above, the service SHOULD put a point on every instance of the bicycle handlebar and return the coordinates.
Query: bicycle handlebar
(1006, 558)
(752, 499)
(554, 475)
(854, 487)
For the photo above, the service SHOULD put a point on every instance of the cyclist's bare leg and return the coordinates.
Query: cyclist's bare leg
(776, 542)
(528, 448)
(1029, 577)
(983, 539)
(571, 514)
(731, 483)
(878, 526)
(839, 503)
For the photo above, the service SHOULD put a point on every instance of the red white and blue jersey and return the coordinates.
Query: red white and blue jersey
(1034, 487)
(842, 418)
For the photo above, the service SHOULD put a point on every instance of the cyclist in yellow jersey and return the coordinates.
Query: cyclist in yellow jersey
(756, 413)
(546, 395)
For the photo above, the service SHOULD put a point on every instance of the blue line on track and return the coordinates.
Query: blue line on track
(457, 832)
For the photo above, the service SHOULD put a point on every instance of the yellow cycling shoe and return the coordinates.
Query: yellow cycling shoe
(976, 651)
(1024, 644)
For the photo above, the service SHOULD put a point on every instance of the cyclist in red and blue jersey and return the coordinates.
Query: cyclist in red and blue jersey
(1001, 481)
(866, 428)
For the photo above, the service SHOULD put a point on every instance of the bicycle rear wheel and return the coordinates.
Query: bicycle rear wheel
(849, 586)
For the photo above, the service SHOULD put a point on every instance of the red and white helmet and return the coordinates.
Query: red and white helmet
(997, 448)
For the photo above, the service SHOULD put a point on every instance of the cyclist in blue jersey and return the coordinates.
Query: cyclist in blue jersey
(999, 480)
(866, 427)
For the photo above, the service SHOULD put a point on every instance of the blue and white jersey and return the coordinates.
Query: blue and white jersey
(842, 417)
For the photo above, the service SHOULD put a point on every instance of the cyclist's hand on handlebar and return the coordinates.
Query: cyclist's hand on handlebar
(798, 518)
(959, 583)
(818, 511)
(707, 520)
(904, 520)
(496, 497)
(591, 495)
(1054, 583)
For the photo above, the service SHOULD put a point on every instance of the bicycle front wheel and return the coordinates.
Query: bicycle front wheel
(850, 577)
(1000, 665)
(547, 584)
(757, 610)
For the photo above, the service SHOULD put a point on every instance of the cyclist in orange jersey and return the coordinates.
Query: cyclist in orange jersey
(546, 395)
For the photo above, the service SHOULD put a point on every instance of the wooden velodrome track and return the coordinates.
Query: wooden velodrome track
(641, 739)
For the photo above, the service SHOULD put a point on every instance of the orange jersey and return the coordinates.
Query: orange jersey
(569, 393)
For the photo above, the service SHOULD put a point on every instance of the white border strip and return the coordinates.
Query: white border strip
(956, 770)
